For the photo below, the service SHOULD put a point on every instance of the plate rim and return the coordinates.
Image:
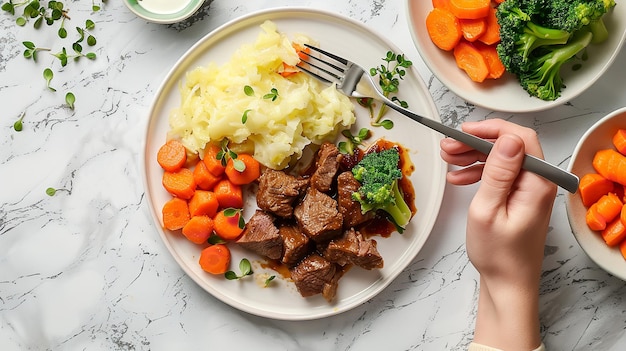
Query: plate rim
(219, 31)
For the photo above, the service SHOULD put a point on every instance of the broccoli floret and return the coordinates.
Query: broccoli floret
(575, 14)
(543, 77)
(538, 36)
(379, 172)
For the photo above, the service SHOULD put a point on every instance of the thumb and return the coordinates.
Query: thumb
(501, 169)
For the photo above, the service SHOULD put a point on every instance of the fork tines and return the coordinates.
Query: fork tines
(334, 70)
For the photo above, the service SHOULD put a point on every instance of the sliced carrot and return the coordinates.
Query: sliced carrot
(614, 233)
(611, 165)
(592, 186)
(250, 172)
(211, 160)
(441, 4)
(469, 59)
(619, 141)
(622, 248)
(491, 35)
(204, 179)
(470, 8)
(609, 206)
(215, 259)
(228, 194)
(198, 229)
(203, 203)
(287, 70)
(443, 28)
(301, 50)
(490, 54)
(227, 226)
(172, 155)
(472, 29)
(180, 183)
(175, 214)
(594, 220)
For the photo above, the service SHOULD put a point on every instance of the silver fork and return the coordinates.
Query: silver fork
(348, 75)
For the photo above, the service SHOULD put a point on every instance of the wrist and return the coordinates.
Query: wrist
(508, 316)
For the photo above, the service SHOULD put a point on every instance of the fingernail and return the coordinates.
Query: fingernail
(508, 146)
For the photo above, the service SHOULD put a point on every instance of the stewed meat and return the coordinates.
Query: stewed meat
(295, 244)
(350, 209)
(353, 248)
(277, 192)
(326, 167)
(318, 216)
(316, 275)
(261, 236)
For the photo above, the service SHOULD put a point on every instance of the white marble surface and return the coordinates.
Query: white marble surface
(86, 270)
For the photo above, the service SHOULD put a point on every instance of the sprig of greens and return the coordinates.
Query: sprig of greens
(18, 125)
(226, 153)
(348, 147)
(272, 95)
(389, 76)
(245, 269)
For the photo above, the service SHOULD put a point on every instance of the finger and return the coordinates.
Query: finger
(494, 128)
(463, 159)
(465, 176)
(500, 172)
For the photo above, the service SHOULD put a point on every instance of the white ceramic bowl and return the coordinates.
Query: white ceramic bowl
(505, 94)
(598, 137)
(163, 11)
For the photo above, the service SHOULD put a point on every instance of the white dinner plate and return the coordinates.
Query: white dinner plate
(506, 94)
(281, 300)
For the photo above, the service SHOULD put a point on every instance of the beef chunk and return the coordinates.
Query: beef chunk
(295, 244)
(316, 275)
(353, 248)
(350, 209)
(318, 216)
(277, 192)
(261, 236)
(326, 166)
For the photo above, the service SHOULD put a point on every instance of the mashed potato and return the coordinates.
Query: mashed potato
(213, 102)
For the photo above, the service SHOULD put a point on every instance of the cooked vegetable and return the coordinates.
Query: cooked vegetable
(611, 165)
(472, 29)
(538, 36)
(609, 207)
(619, 141)
(592, 187)
(204, 179)
(203, 203)
(491, 35)
(248, 170)
(443, 28)
(614, 233)
(490, 54)
(228, 223)
(469, 59)
(198, 229)
(212, 160)
(215, 259)
(594, 220)
(180, 183)
(172, 155)
(175, 214)
(228, 194)
(379, 172)
(470, 8)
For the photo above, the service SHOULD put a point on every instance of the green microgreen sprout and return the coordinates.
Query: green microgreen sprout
(31, 50)
(248, 90)
(70, 99)
(48, 75)
(18, 125)
(226, 153)
(95, 7)
(215, 239)
(272, 95)
(269, 280)
(244, 117)
(348, 147)
(389, 77)
(245, 269)
(52, 191)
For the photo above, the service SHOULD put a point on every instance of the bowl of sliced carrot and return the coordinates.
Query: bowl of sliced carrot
(597, 211)
(457, 40)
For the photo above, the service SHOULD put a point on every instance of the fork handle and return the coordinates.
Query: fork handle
(558, 176)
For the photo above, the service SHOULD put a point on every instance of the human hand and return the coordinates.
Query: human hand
(507, 226)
